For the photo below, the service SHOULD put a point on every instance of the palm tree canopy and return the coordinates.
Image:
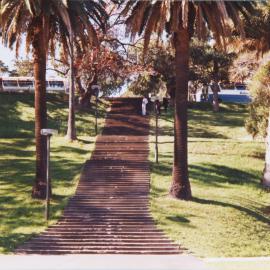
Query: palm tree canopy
(59, 18)
(156, 16)
(257, 30)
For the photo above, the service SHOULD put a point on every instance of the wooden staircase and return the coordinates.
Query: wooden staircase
(109, 214)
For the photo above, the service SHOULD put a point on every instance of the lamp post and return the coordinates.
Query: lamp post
(154, 99)
(96, 88)
(48, 133)
(156, 141)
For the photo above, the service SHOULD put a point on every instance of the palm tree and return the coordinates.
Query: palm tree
(43, 22)
(81, 45)
(71, 131)
(180, 19)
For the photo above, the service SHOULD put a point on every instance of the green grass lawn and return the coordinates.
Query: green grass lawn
(20, 215)
(229, 215)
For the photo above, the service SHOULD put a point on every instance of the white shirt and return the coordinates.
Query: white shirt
(144, 101)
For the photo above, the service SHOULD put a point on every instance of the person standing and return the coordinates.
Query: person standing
(144, 103)
(204, 92)
(157, 106)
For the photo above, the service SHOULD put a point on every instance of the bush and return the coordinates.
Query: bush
(259, 87)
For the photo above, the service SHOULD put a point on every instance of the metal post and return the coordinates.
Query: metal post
(48, 133)
(96, 114)
(47, 205)
(156, 141)
(96, 88)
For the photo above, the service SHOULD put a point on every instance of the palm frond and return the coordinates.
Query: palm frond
(185, 5)
(151, 24)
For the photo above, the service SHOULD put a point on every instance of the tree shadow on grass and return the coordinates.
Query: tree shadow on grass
(157, 191)
(10, 241)
(211, 174)
(18, 210)
(85, 141)
(17, 147)
(164, 168)
(196, 131)
(181, 220)
(217, 175)
(14, 125)
(164, 131)
(253, 213)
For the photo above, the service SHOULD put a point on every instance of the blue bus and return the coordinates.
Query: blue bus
(230, 92)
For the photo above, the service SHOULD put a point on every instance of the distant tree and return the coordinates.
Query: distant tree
(206, 64)
(24, 67)
(244, 66)
(3, 68)
(146, 83)
(103, 66)
(258, 122)
(155, 70)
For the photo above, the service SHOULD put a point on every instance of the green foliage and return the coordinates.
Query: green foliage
(145, 84)
(3, 68)
(208, 63)
(23, 67)
(257, 29)
(259, 87)
(158, 66)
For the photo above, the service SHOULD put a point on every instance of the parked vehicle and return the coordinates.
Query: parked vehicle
(229, 92)
(22, 84)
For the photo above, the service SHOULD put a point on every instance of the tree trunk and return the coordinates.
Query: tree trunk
(39, 55)
(215, 101)
(180, 187)
(266, 172)
(215, 87)
(86, 97)
(71, 131)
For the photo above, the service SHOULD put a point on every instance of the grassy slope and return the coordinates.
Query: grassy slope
(21, 216)
(230, 214)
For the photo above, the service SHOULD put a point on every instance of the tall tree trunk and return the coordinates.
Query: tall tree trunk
(180, 187)
(215, 87)
(39, 55)
(215, 100)
(266, 173)
(71, 131)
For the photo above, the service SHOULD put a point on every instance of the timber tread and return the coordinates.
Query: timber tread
(109, 213)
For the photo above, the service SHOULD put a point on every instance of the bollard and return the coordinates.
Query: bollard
(96, 88)
(96, 115)
(156, 143)
(48, 133)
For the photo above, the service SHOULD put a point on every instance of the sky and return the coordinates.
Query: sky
(7, 56)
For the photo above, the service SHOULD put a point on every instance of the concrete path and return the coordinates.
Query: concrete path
(101, 262)
(238, 263)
